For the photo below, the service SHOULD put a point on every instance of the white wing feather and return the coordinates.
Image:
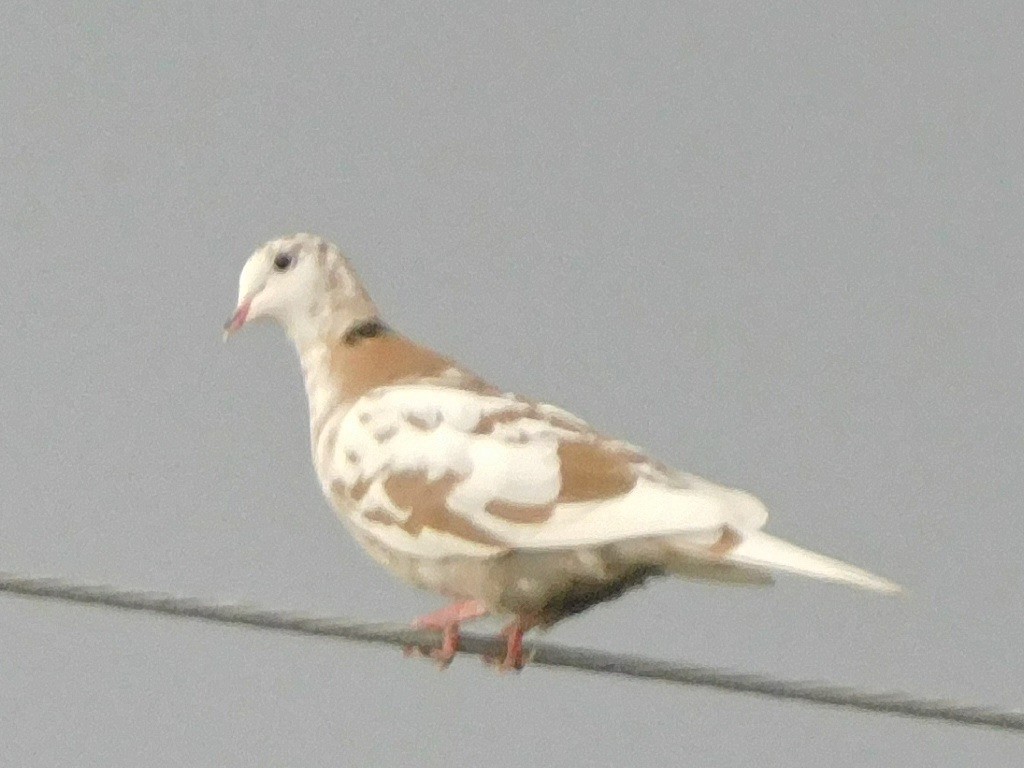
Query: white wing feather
(518, 463)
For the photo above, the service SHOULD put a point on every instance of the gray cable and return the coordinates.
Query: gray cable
(546, 654)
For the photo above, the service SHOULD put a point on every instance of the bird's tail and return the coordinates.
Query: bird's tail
(761, 550)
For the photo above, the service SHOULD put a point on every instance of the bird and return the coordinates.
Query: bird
(506, 506)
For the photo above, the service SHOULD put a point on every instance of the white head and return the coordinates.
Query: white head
(305, 284)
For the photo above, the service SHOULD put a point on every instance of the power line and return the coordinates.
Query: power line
(546, 654)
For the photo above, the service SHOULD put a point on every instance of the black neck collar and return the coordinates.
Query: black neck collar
(367, 329)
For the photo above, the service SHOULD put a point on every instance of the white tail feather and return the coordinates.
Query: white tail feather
(760, 549)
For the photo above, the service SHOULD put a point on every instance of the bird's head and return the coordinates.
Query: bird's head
(305, 284)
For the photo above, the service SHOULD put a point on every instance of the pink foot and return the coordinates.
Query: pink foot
(514, 659)
(446, 621)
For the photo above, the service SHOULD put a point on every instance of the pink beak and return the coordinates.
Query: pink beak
(238, 319)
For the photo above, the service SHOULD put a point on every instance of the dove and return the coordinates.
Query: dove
(506, 506)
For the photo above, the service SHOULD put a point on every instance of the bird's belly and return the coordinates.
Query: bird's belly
(546, 585)
(457, 577)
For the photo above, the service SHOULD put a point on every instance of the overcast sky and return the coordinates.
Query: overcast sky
(778, 244)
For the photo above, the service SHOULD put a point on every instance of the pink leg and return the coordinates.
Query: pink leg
(514, 658)
(452, 614)
(446, 621)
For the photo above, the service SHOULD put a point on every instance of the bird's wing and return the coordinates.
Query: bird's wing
(438, 471)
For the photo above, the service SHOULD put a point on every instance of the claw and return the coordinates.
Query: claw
(515, 658)
(449, 647)
(447, 622)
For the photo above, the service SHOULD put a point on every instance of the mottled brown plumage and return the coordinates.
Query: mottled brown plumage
(503, 504)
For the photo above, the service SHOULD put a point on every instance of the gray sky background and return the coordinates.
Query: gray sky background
(778, 244)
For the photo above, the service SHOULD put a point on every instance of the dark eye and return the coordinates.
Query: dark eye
(282, 261)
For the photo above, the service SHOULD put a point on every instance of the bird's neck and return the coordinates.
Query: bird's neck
(338, 371)
(319, 350)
